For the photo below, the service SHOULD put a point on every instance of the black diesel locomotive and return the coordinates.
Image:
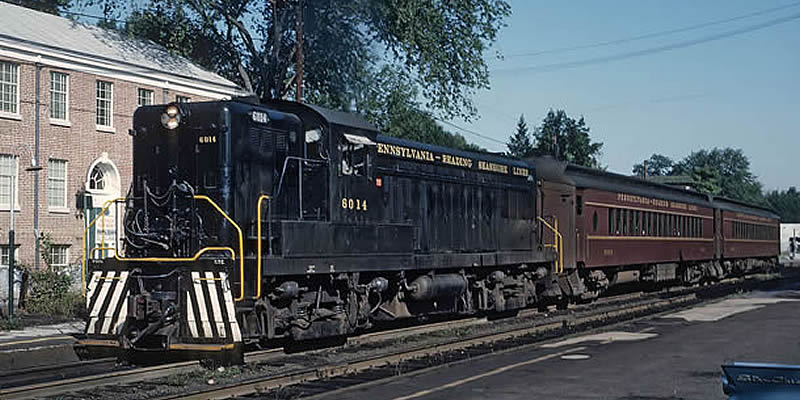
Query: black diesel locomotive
(250, 222)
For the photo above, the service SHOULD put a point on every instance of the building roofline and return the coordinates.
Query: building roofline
(67, 59)
(57, 49)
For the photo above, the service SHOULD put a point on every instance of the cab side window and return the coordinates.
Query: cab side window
(355, 155)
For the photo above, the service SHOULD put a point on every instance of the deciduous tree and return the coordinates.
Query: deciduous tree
(568, 139)
(439, 45)
(726, 169)
(786, 203)
(390, 104)
(657, 165)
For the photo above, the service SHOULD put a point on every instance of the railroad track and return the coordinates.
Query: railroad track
(43, 381)
(311, 372)
(48, 373)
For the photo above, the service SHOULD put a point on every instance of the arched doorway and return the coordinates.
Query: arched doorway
(103, 185)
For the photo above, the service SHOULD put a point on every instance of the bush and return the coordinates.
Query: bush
(50, 295)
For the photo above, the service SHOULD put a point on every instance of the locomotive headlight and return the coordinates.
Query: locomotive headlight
(171, 118)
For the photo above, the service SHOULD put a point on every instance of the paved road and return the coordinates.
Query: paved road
(677, 356)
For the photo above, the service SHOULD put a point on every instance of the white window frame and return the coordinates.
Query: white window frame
(151, 94)
(4, 249)
(57, 208)
(65, 120)
(66, 254)
(15, 200)
(182, 99)
(110, 127)
(7, 114)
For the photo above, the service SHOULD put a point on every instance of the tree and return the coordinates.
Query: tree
(439, 45)
(173, 29)
(390, 105)
(786, 204)
(657, 165)
(49, 6)
(567, 139)
(728, 169)
(520, 144)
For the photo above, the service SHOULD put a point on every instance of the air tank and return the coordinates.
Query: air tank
(428, 287)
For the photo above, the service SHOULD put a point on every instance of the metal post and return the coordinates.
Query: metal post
(37, 244)
(300, 186)
(11, 254)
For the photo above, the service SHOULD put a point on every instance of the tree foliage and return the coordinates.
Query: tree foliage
(726, 171)
(568, 139)
(390, 105)
(657, 165)
(786, 204)
(520, 144)
(49, 6)
(723, 172)
(438, 45)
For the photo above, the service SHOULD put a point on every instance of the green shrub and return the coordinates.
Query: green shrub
(49, 294)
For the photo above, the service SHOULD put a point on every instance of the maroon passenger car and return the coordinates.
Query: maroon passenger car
(627, 229)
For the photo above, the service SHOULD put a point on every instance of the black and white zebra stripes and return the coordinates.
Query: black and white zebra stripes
(210, 311)
(209, 307)
(107, 302)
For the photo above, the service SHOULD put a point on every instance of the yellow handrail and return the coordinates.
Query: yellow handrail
(258, 233)
(167, 259)
(241, 242)
(195, 257)
(558, 242)
(85, 233)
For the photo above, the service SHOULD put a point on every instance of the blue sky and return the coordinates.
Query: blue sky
(742, 91)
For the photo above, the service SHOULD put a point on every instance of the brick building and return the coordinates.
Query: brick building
(90, 81)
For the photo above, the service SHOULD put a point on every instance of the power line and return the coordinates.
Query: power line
(652, 35)
(482, 136)
(652, 50)
(77, 14)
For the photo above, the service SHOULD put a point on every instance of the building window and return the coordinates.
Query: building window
(97, 179)
(8, 174)
(57, 184)
(105, 104)
(9, 88)
(4, 254)
(59, 255)
(182, 99)
(59, 96)
(144, 97)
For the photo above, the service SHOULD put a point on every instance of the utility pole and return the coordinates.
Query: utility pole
(555, 145)
(300, 56)
(277, 30)
(644, 169)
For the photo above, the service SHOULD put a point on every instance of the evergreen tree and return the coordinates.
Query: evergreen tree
(520, 144)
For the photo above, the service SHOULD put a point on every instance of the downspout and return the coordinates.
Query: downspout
(37, 244)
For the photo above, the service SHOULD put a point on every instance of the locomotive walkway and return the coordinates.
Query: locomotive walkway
(673, 356)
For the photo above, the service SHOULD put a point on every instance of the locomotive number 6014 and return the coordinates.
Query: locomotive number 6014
(354, 204)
